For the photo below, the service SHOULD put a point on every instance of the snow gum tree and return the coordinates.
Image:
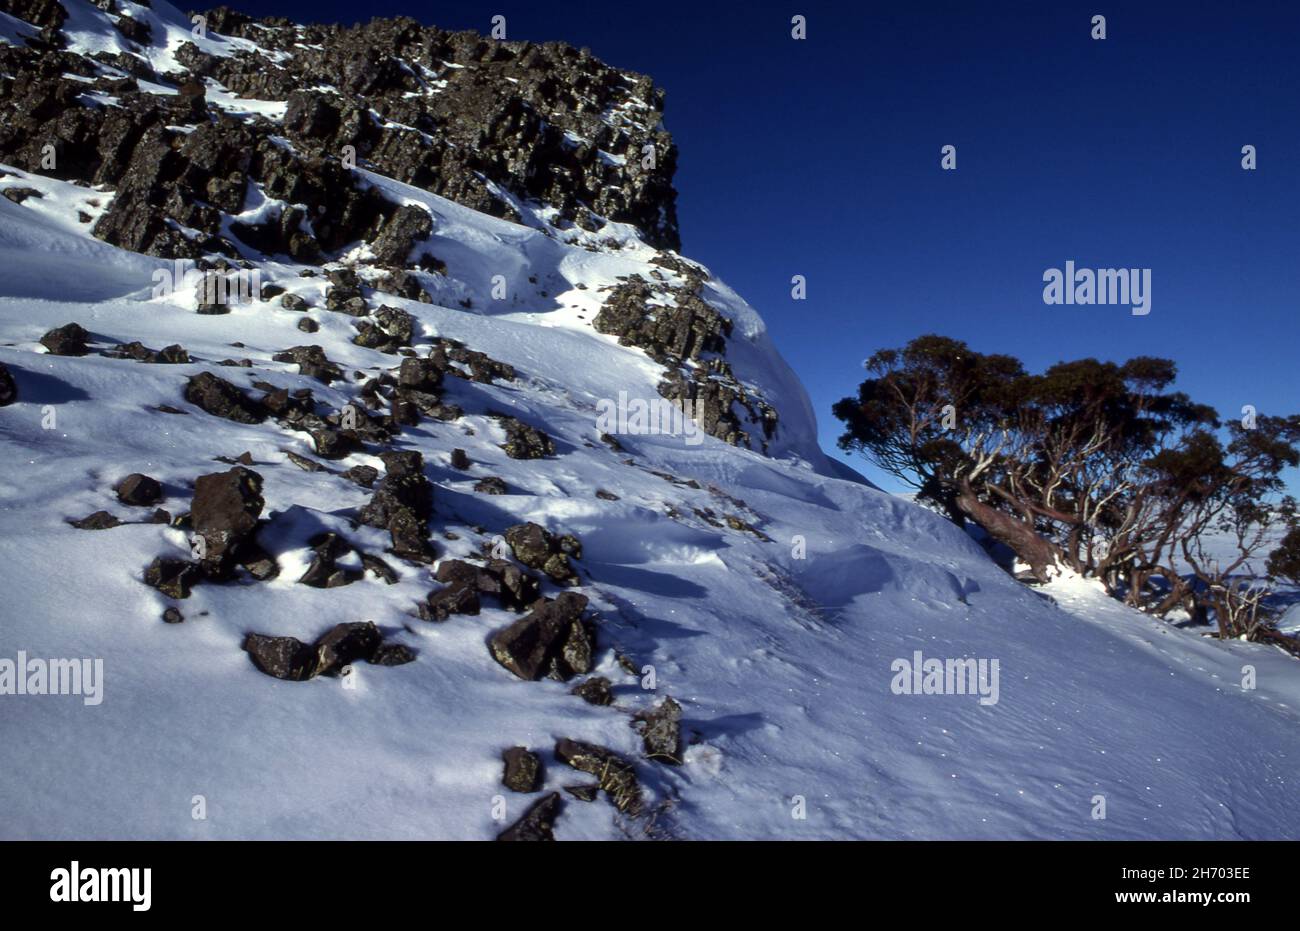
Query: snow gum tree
(1098, 466)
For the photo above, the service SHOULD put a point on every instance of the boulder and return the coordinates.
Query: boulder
(139, 490)
(523, 770)
(224, 514)
(222, 399)
(661, 732)
(537, 822)
(552, 640)
(67, 340)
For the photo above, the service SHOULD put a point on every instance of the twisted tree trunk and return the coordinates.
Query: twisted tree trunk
(1032, 548)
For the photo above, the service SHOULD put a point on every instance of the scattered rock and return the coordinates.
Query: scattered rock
(537, 822)
(172, 615)
(491, 485)
(224, 514)
(523, 770)
(173, 577)
(312, 362)
(594, 691)
(222, 399)
(460, 461)
(537, 549)
(8, 387)
(139, 490)
(403, 505)
(67, 340)
(584, 793)
(617, 776)
(523, 441)
(340, 646)
(553, 640)
(661, 732)
(100, 520)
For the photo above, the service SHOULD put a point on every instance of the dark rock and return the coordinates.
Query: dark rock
(224, 514)
(294, 302)
(378, 568)
(362, 475)
(8, 387)
(537, 823)
(139, 490)
(172, 615)
(308, 325)
(345, 644)
(402, 505)
(523, 441)
(491, 485)
(552, 640)
(661, 732)
(457, 598)
(392, 654)
(408, 225)
(523, 770)
(391, 330)
(536, 548)
(100, 520)
(583, 793)
(459, 460)
(594, 691)
(282, 657)
(67, 340)
(617, 776)
(340, 646)
(222, 399)
(20, 194)
(173, 577)
(312, 362)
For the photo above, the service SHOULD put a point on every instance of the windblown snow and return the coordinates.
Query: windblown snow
(780, 639)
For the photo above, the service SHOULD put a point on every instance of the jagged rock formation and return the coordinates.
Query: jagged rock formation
(453, 113)
(485, 123)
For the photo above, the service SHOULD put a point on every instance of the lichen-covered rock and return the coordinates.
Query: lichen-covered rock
(537, 549)
(537, 823)
(524, 441)
(661, 732)
(594, 691)
(522, 771)
(617, 776)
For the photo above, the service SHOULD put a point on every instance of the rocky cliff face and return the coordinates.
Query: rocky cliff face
(471, 119)
(227, 140)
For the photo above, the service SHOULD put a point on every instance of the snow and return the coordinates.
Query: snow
(779, 651)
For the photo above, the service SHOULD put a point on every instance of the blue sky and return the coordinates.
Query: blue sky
(821, 158)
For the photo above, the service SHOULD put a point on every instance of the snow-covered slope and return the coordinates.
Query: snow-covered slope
(769, 597)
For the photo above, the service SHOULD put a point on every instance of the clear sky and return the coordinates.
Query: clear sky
(821, 158)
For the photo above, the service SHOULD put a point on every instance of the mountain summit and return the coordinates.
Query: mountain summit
(347, 491)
